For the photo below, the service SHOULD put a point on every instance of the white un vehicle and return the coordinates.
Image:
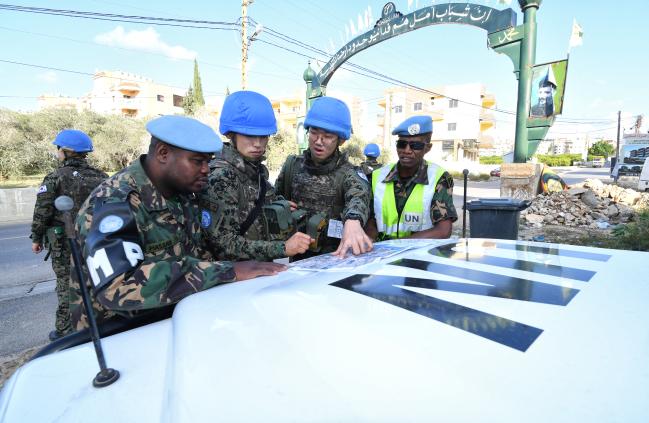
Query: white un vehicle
(447, 331)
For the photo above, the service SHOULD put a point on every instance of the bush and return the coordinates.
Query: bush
(633, 235)
(354, 149)
(280, 146)
(26, 139)
(558, 159)
(489, 160)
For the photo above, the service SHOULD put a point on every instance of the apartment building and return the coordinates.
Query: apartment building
(462, 121)
(123, 93)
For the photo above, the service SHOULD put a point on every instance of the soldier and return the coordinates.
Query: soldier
(76, 179)
(238, 185)
(323, 181)
(412, 198)
(371, 152)
(140, 231)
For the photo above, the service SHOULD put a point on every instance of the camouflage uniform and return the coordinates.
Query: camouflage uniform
(76, 179)
(234, 186)
(441, 208)
(314, 188)
(143, 251)
(369, 166)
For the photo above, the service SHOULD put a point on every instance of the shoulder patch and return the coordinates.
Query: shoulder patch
(42, 189)
(110, 223)
(206, 219)
(362, 175)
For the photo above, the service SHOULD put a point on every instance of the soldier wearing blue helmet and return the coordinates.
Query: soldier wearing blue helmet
(141, 230)
(371, 153)
(76, 179)
(238, 186)
(323, 182)
(413, 198)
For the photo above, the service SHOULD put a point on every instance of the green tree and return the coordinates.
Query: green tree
(601, 148)
(354, 149)
(198, 87)
(189, 102)
(280, 146)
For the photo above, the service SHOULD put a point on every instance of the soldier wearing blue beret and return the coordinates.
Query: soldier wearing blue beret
(413, 198)
(141, 230)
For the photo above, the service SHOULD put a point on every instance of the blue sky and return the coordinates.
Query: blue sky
(606, 74)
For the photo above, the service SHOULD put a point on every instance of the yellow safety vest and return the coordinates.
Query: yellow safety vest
(415, 216)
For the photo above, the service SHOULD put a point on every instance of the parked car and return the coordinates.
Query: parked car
(447, 330)
(495, 172)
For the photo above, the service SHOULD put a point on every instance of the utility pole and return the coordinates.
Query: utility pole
(617, 149)
(244, 42)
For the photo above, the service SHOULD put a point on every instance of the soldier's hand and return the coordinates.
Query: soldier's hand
(297, 244)
(292, 205)
(37, 247)
(251, 269)
(354, 237)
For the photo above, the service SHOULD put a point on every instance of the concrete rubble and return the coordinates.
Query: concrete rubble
(592, 204)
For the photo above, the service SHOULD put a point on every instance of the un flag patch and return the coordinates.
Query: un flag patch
(206, 219)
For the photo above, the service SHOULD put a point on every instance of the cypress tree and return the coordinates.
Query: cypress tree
(198, 87)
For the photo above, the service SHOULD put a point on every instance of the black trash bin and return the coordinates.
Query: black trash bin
(495, 217)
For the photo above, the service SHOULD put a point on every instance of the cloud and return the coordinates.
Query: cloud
(49, 76)
(146, 40)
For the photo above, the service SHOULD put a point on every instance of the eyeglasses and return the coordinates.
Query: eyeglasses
(414, 145)
(327, 137)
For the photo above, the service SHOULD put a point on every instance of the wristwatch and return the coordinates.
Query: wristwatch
(354, 216)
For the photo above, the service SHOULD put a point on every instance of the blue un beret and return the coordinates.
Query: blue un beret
(186, 133)
(414, 125)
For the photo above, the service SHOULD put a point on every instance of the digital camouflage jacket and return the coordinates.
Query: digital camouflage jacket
(142, 250)
(234, 186)
(333, 188)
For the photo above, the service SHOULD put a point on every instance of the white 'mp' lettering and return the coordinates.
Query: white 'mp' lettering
(133, 252)
(99, 261)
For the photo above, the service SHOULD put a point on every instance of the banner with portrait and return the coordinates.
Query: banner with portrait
(548, 86)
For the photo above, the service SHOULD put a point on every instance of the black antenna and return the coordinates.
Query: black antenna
(106, 376)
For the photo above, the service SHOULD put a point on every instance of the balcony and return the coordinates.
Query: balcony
(487, 120)
(128, 88)
(488, 100)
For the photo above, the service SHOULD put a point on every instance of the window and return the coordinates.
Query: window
(452, 103)
(127, 96)
(432, 101)
(417, 106)
(178, 100)
(452, 126)
(398, 109)
(160, 97)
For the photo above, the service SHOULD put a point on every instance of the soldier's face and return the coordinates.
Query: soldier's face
(251, 147)
(322, 144)
(409, 157)
(187, 170)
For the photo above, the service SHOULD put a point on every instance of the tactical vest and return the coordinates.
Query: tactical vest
(77, 182)
(415, 216)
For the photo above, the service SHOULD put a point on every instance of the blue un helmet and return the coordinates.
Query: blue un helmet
(372, 150)
(186, 133)
(73, 140)
(247, 113)
(330, 114)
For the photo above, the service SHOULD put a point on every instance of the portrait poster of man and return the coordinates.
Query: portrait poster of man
(548, 86)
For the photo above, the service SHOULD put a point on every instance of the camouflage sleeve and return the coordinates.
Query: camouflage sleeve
(357, 196)
(44, 208)
(223, 239)
(442, 207)
(127, 278)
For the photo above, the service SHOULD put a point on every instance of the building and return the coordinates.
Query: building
(462, 123)
(126, 94)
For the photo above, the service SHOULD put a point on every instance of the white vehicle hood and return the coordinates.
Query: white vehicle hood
(477, 330)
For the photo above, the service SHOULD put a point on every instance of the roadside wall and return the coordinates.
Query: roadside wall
(17, 204)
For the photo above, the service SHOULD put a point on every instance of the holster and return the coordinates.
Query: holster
(53, 239)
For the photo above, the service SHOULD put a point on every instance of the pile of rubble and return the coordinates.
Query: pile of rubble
(591, 204)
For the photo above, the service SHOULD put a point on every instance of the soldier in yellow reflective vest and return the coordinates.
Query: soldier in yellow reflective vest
(412, 198)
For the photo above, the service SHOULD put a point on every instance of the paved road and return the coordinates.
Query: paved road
(27, 298)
